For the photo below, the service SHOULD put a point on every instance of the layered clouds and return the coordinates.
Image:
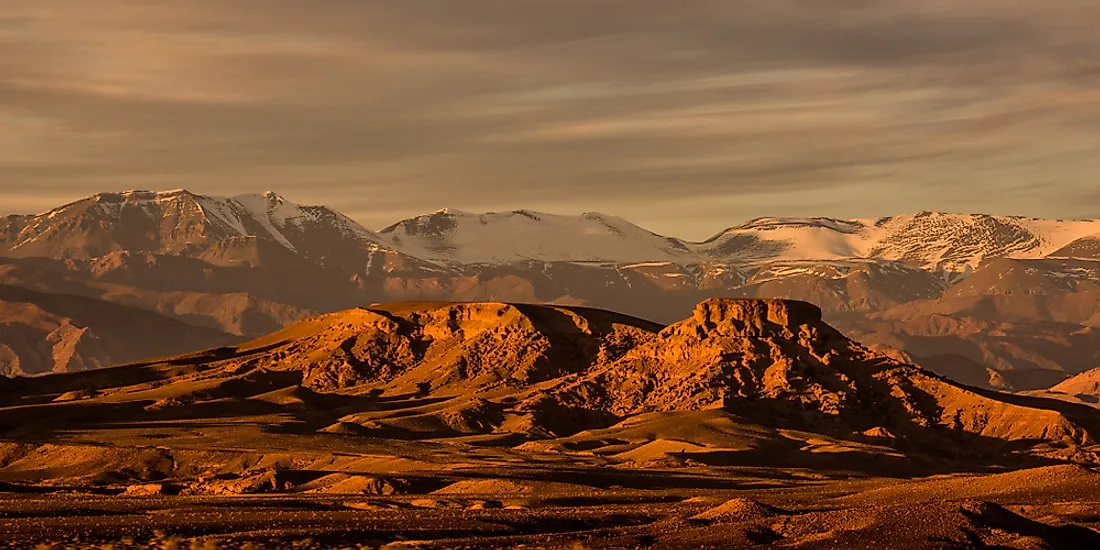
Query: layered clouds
(681, 116)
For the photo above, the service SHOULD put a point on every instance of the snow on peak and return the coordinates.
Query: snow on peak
(932, 240)
(448, 212)
(768, 224)
(951, 243)
(954, 244)
(267, 215)
(522, 235)
(270, 206)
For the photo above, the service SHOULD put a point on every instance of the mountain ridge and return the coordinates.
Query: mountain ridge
(942, 242)
(890, 238)
(919, 283)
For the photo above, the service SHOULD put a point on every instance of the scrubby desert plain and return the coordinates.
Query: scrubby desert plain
(493, 425)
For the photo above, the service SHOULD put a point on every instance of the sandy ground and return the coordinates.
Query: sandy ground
(336, 491)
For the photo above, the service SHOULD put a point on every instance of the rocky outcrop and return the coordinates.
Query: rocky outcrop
(452, 346)
(431, 370)
(754, 318)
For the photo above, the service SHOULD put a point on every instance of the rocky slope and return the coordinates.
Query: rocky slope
(543, 372)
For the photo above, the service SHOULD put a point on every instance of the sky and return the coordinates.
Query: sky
(684, 117)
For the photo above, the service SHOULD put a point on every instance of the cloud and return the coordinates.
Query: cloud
(829, 107)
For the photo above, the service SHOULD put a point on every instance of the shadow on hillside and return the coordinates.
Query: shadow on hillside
(29, 390)
(219, 406)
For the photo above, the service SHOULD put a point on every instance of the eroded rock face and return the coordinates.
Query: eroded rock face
(756, 318)
(776, 362)
(552, 371)
(566, 369)
(424, 347)
(730, 350)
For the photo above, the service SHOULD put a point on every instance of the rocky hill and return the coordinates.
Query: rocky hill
(545, 372)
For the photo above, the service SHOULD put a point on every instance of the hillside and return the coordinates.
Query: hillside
(43, 333)
(1083, 388)
(219, 300)
(492, 369)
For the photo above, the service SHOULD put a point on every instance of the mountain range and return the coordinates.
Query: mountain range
(993, 301)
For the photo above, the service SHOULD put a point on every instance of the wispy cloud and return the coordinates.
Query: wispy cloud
(845, 107)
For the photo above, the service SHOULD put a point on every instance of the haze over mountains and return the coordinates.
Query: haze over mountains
(989, 300)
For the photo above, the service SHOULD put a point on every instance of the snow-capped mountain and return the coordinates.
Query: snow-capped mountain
(181, 223)
(943, 243)
(217, 230)
(951, 243)
(455, 237)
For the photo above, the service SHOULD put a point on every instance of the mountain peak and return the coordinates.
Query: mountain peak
(447, 211)
(145, 195)
(180, 222)
(175, 193)
(274, 198)
(525, 236)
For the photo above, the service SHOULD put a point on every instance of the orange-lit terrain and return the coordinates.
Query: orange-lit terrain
(561, 274)
(492, 425)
